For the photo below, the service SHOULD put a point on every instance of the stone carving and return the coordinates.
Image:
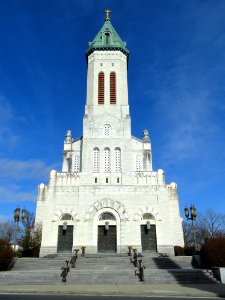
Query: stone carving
(145, 136)
(60, 212)
(68, 138)
(138, 215)
(116, 205)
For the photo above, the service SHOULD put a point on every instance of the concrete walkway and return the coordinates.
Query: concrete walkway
(141, 289)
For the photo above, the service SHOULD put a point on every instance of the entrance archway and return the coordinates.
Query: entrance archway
(148, 233)
(107, 236)
(65, 234)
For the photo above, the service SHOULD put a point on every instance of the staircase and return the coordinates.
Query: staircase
(177, 269)
(105, 268)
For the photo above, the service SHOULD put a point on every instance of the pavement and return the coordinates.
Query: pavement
(139, 289)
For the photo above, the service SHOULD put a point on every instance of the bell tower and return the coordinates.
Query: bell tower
(107, 89)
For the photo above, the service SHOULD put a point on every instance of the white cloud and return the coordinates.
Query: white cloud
(13, 194)
(19, 179)
(20, 170)
(6, 111)
(4, 218)
(7, 115)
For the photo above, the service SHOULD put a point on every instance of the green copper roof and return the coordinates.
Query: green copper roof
(107, 39)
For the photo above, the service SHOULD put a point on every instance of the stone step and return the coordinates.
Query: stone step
(104, 269)
(106, 276)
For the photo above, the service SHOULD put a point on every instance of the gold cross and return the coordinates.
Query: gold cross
(107, 12)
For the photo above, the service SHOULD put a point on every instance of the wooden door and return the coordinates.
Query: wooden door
(148, 239)
(107, 239)
(65, 239)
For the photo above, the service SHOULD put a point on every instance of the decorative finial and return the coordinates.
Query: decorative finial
(145, 136)
(107, 12)
(68, 138)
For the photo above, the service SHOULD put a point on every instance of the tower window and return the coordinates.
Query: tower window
(117, 160)
(112, 88)
(96, 160)
(107, 38)
(106, 160)
(76, 163)
(101, 88)
(118, 180)
(107, 180)
(107, 130)
(138, 163)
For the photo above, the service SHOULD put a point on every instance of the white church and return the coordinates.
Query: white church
(107, 196)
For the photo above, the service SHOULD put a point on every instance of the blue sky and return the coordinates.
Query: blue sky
(176, 90)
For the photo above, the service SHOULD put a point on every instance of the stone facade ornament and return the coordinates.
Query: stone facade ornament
(68, 138)
(145, 136)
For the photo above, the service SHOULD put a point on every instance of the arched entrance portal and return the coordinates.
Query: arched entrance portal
(65, 234)
(148, 233)
(107, 237)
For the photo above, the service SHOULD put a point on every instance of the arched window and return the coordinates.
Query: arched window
(101, 88)
(96, 160)
(107, 130)
(106, 160)
(107, 37)
(148, 216)
(76, 163)
(138, 162)
(66, 217)
(107, 216)
(117, 160)
(112, 88)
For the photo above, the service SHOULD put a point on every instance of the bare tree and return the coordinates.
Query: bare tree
(208, 225)
(188, 235)
(28, 224)
(8, 231)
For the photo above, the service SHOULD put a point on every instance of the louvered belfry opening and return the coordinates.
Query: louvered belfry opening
(112, 88)
(101, 88)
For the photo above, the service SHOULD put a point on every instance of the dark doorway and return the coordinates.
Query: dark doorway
(107, 239)
(65, 239)
(148, 239)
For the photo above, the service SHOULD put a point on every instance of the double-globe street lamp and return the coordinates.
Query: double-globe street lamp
(191, 215)
(19, 216)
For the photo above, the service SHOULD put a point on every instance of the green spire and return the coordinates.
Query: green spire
(107, 39)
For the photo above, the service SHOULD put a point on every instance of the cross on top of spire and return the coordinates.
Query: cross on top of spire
(107, 17)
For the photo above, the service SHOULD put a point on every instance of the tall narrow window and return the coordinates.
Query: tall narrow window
(112, 88)
(96, 160)
(117, 160)
(76, 163)
(138, 163)
(107, 130)
(106, 160)
(107, 38)
(101, 88)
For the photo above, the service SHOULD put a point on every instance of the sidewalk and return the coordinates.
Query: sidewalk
(141, 289)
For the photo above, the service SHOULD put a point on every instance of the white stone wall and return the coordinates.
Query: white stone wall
(127, 203)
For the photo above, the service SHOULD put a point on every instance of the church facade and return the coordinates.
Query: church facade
(107, 196)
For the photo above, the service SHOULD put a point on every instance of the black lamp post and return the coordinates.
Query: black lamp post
(19, 217)
(191, 215)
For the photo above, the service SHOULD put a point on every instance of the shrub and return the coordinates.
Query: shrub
(18, 253)
(178, 251)
(189, 251)
(6, 255)
(213, 253)
(27, 253)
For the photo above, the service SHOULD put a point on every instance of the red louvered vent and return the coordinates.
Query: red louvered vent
(112, 88)
(101, 88)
